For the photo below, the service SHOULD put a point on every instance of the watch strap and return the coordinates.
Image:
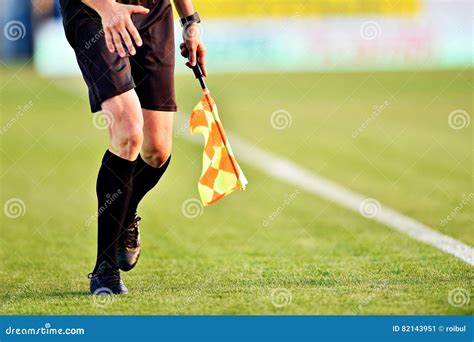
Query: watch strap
(191, 19)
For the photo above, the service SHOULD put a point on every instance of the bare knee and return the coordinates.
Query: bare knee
(128, 145)
(156, 156)
(126, 128)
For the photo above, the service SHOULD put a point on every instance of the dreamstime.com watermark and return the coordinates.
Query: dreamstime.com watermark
(370, 208)
(14, 208)
(459, 297)
(22, 109)
(20, 290)
(182, 130)
(192, 208)
(281, 119)
(94, 39)
(464, 202)
(14, 30)
(367, 300)
(370, 30)
(184, 127)
(281, 298)
(459, 119)
(108, 202)
(192, 33)
(47, 329)
(103, 297)
(377, 110)
(286, 202)
(101, 33)
(102, 120)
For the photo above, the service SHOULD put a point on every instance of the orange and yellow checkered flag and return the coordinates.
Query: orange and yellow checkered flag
(221, 175)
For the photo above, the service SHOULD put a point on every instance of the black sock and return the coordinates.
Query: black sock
(145, 178)
(114, 188)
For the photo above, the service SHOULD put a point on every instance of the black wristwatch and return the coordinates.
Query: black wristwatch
(191, 19)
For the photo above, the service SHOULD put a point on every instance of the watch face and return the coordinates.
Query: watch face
(193, 18)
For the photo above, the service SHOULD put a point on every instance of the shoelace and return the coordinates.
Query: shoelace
(131, 241)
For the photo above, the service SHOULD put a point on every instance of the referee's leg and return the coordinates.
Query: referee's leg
(154, 158)
(114, 186)
(126, 128)
(158, 135)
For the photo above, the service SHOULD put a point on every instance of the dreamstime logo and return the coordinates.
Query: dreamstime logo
(193, 32)
(464, 203)
(281, 119)
(367, 300)
(289, 198)
(182, 130)
(14, 208)
(192, 208)
(14, 30)
(103, 297)
(377, 110)
(281, 298)
(370, 30)
(102, 120)
(22, 109)
(184, 125)
(370, 208)
(94, 39)
(47, 329)
(108, 202)
(458, 119)
(458, 297)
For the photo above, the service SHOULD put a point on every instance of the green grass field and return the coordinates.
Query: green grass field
(313, 258)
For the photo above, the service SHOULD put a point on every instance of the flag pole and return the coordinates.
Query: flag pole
(200, 77)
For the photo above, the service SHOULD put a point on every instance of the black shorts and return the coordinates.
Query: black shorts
(150, 71)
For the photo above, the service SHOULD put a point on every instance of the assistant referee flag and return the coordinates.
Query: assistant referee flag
(221, 175)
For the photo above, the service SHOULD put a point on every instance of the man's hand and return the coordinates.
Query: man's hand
(117, 24)
(193, 48)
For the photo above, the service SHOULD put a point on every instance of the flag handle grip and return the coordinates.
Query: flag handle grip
(199, 76)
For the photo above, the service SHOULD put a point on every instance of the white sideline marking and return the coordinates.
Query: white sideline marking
(289, 172)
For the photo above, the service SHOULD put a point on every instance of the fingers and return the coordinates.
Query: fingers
(127, 40)
(121, 38)
(202, 64)
(109, 41)
(201, 57)
(134, 32)
(137, 9)
(184, 50)
(121, 35)
(118, 43)
(192, 55)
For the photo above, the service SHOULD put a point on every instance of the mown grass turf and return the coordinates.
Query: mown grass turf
(328, 260)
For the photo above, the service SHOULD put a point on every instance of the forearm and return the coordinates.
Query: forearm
(184, 8)
(192, 46)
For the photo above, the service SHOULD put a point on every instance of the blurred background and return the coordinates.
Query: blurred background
(280, 35)
(373, 95)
